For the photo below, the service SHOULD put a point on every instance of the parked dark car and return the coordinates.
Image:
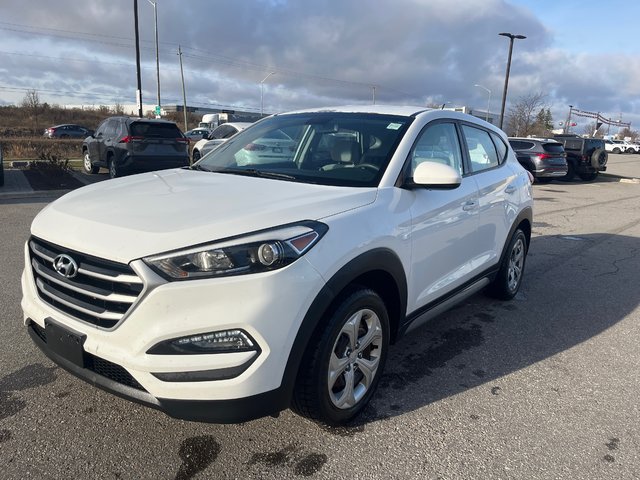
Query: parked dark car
(127, 145)
(543, 157)
(67, 131)
(586, 157)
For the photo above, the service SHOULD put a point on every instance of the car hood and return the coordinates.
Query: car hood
(133, 217)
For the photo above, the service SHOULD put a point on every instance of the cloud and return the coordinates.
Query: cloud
(323, 52)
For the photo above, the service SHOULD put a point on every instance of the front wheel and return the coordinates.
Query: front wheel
(196, 156)
(342, 368)
(87, 165)
(509, 278)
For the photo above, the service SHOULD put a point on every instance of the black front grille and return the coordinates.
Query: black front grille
(98, 365)
(101, 293)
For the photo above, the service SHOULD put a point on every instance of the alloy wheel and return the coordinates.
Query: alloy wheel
(355, 358)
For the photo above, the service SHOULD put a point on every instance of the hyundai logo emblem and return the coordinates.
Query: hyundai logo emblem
(65, 266)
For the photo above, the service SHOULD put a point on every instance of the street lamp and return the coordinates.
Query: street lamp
(512, 37)
(155, 14)
(262, 93)
(486, 117)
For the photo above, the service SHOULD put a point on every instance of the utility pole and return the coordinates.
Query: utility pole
(139, 90)
(184, 95)
(155, 15)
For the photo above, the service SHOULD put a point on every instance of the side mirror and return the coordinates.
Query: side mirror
(436, 176)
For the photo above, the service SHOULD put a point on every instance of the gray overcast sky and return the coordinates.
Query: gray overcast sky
(325, 52)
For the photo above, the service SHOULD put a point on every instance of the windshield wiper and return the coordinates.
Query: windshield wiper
(199, 167)
(252, 172)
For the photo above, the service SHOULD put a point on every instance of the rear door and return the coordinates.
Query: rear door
(486, 155)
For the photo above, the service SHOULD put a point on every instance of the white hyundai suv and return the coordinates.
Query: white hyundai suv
(231, 290)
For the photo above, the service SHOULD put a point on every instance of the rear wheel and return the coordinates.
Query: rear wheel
(509, 278)
(615, 150)
(87, 165)
(341, 370)
(543, 180)
(114, 171)
(195, 156)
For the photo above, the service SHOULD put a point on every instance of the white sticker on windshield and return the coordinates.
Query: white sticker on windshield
(394, 126)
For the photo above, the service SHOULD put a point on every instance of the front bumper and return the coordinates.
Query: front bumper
(116, 380)
(268, 306)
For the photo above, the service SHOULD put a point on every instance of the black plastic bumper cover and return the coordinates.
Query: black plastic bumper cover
(211, 411)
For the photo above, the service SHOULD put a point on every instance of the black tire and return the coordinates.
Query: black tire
(87, 166)
(507, 283)
(114, 171)
(615, 150)
(571, 172)
(351, 387)
(588, 176)
(543, 180)
(195, 156)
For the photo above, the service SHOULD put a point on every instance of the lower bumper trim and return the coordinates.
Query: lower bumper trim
(210, 411)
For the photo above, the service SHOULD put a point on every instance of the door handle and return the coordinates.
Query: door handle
(469, 205)
(510, 189)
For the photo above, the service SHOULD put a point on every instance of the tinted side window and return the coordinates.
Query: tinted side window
(437, 143)
(501, 148)
(481, 150)
(520, 145)
(232, 131)
(220, 132)
(102, 127)
(111, 128)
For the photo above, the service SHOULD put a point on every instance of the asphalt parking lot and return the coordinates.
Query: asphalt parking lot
(544, 386)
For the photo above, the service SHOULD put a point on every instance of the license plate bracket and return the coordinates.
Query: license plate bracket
(65, 342)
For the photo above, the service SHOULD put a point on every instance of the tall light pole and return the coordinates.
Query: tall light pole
(155, 15)
(184, 94)
(139, 90)
(486, 117)
(262, 93)
(511, 37)
(373, 89)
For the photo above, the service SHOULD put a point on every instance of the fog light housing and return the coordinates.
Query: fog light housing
(223, 341)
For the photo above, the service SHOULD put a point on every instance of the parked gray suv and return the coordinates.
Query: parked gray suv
(130, 145)
(543, 157)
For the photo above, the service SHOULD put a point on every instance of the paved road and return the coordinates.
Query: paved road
(545, 386)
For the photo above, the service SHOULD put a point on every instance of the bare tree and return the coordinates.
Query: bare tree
(529, 115)
(591, 129)
(627, 132)
(31, 102)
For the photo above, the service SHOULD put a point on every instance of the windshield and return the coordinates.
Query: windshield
(342, 149)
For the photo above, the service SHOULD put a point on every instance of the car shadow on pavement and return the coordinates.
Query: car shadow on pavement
(572, 291)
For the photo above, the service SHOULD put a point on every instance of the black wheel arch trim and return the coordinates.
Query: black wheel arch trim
(377, 260)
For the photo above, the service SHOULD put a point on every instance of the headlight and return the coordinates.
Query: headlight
(253, 253)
